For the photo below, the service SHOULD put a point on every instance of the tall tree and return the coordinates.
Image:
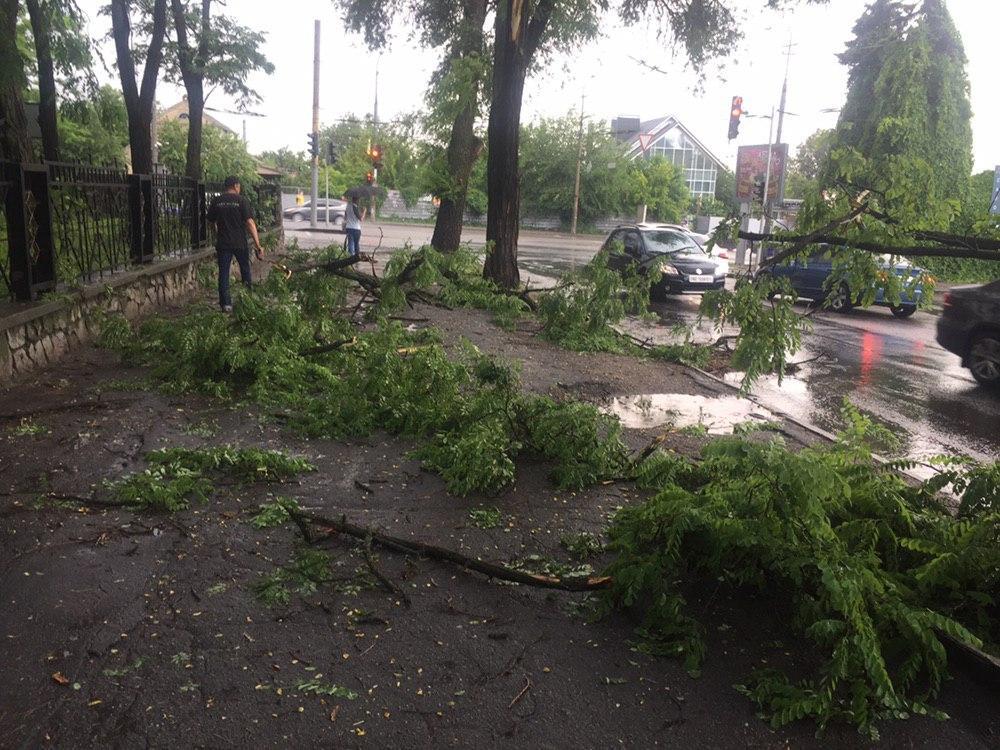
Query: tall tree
(14, 142)
(464, 78)
(140, 99)
(217, 51)
(704, 29)
(905, 129)
(41, 29)
(456, 93)
(518, 31)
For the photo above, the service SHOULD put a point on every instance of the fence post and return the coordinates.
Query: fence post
(29, 231)
(202, 215)
(140, 211)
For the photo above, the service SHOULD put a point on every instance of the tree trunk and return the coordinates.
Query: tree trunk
(47, 109)
(518, 33)
(139, 101)
(463, 150)
(14, 142)
(196, 115)
(463, 146)
(192, 65)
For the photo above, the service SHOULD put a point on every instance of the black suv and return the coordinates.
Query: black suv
(685, 267)
(969, 326)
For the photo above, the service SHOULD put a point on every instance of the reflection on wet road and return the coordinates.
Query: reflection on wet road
(892, 369)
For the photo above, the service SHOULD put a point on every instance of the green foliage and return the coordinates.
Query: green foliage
(875, 569)
(685, 354)
(304, 574)
(582, 545)
(470, 412)
(243, 464)
(316, 686)
(904, 131)
(274, 513)
(770, 329)
(222, 153)
(27, 427)
(663, 188)
(177, 476)
(579, 313)
(611, 184)
(94, 130)
(226, 56)
(486, 518)
(167, 487)
(477, 458)
(456, 278)
(583, 444)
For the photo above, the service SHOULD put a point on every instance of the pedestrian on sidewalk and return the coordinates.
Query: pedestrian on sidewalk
(233, 219)
(352, 225)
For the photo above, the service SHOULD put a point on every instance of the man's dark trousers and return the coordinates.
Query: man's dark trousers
(225, 258)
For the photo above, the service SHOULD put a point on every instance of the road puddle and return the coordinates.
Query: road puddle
(716, 416)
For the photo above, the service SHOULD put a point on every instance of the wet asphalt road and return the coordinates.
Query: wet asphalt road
(893, 369)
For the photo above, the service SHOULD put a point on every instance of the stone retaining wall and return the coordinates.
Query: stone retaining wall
(34, 334)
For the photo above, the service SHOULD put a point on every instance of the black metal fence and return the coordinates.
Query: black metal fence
(76, 223)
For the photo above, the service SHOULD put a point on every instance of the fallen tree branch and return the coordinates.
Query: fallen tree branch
(951, 246)
(329, 347)
(391, 587)
(442, 554)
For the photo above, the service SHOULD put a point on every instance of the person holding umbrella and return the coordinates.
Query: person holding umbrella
(353, 216)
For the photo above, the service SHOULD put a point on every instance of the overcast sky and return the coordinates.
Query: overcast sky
(614, 82)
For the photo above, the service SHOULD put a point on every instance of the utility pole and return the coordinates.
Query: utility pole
(766, 202)
(315, 129)
(579, 162)
(768, 208)
(375, 119)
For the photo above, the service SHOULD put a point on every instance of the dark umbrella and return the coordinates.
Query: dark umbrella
(361, 191)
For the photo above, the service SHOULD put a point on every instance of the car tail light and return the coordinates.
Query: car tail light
(946, 303)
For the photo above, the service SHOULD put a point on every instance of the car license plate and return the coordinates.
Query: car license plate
(700, 279)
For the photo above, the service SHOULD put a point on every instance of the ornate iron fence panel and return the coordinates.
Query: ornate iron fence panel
(91, 220)
(7, 289)
(176, 205)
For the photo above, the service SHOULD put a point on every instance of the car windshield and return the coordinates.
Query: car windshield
(671, 243)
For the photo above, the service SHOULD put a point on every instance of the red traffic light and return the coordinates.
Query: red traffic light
(370, 178)
(734, 117)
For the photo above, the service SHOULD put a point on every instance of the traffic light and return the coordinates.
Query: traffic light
(370, 177)
(331, 153)
(734, 117)
(375, 152)
(313, 144)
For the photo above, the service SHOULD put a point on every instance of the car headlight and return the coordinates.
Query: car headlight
(669, 270)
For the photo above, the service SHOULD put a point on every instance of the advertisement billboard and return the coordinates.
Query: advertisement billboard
(751, 170)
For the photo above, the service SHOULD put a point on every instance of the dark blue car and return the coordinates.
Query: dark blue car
(809, 275)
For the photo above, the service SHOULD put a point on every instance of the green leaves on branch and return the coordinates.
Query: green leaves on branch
(579, 313)
(177, 477)
(769, 328)
(875, 569)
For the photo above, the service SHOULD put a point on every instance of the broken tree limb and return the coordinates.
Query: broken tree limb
(391, 587)
(442, 554)
(323, 348)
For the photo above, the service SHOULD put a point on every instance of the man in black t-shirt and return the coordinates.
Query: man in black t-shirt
(233, 218)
